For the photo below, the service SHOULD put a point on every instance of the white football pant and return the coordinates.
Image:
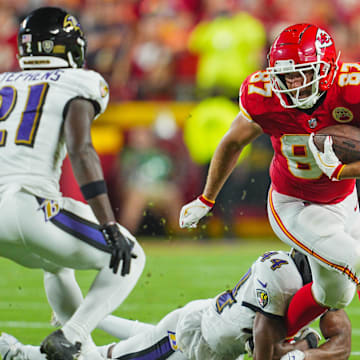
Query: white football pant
(54, 235)
(329, 235)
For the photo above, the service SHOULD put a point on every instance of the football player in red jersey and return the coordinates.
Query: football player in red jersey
(312, 201)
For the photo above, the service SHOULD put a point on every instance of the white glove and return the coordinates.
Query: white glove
(294, 355)
(192, 212)
(327, 161)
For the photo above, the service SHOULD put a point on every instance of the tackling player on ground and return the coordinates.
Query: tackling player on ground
(250, 317)
(46, 111)
(312, 201)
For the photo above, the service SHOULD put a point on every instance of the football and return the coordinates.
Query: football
(346, 141)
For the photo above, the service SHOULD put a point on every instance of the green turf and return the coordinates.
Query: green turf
(175, 273)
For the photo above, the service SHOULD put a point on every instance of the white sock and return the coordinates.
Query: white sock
(31, 352)
(75, 332)
(103, 350)
(123, 328)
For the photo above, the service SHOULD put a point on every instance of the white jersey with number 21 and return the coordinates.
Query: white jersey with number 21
(32, 110)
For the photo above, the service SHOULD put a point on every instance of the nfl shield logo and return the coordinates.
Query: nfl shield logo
(48, 46)
(312, 123)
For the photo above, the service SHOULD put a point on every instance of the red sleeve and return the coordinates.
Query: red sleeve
(348, 82)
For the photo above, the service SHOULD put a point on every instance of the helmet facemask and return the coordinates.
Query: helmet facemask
(278, 84)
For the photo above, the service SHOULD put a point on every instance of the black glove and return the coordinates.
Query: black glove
(120, 247)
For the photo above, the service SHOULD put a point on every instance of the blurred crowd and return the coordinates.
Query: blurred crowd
(184, 49)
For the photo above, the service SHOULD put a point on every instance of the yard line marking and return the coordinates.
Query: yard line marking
(26, 324)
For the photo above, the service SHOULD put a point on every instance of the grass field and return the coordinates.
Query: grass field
(175, 273)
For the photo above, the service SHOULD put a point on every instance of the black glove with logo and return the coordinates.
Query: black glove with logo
(120, 247)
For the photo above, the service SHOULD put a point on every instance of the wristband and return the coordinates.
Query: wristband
(206, 201)
(336, 174)
(93, 189)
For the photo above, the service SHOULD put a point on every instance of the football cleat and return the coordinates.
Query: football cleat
(57, 347)
(9, 348)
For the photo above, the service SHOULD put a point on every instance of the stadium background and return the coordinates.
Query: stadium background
(174, 68)
(162, 60)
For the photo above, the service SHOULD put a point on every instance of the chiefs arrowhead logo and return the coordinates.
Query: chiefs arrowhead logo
(323, 39)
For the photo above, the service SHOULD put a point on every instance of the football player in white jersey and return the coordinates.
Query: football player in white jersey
(46, 111)
(248, 318)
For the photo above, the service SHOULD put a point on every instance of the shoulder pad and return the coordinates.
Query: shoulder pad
(255, 89)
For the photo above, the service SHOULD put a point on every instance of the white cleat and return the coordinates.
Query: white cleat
(9, 348)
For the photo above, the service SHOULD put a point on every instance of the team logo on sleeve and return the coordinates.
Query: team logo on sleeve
(262, 297)
(172, 340)
(342, 115)
(104, 89)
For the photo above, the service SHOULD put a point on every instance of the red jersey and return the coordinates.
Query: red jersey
(293, 169)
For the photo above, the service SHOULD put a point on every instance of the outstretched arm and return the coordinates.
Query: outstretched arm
(241, 133)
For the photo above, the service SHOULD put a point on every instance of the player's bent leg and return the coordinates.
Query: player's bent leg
(156, 343)
(317, 231)
(65, 234)
(330, 287)
(123, 328)
(63, 293)
(86, 250)
(314, 230)
(64, 296)
(112, 289)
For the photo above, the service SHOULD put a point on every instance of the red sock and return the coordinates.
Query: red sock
(302, 310)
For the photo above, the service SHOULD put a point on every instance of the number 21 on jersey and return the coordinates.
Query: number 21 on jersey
(30, 117)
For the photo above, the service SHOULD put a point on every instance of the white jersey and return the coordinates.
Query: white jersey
(226, 322)
(32, 109)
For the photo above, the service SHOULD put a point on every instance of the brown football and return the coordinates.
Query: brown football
(346, 141)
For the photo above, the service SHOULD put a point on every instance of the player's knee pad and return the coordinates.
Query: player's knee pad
(337, 296)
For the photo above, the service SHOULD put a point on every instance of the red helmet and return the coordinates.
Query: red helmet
(300, 48)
